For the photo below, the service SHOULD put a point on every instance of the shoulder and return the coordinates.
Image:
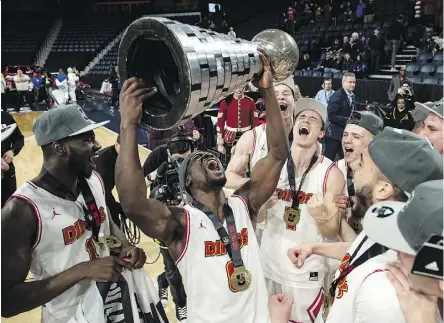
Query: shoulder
(247, 98)
(20, 210)
(383, 308)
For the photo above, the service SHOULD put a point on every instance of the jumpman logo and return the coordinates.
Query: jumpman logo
(54, 213)
(201, 226)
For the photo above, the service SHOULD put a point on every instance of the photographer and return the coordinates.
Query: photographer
(405, 92)
(156, 175)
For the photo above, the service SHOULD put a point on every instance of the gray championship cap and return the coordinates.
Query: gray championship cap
(406, 159)
(62, 122)
(407, 226)
(418, 115)
(432, 107)
(289, 82)
(311, 104)
(367, 120)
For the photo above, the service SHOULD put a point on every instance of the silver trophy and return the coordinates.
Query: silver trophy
(194, 68)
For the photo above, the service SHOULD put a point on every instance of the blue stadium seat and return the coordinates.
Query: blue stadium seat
(412, 68)
(298, 73)
(327, 74)
(427, 69)
(337, 75)
(317, 73)
(439, 71)
(438, 58)
(430, 80)
(307, 73)
(416, 79)
(424, 57)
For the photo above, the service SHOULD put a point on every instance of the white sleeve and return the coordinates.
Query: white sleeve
(376, 301)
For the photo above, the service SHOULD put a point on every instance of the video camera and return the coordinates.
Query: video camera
(166, 188)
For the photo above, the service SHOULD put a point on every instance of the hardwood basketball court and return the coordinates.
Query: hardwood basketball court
(28, 164)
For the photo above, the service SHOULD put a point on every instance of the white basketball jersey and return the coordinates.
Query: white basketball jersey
(345, 304)
(206, 267)
(63, 241)
(341, 164)
(278, 237)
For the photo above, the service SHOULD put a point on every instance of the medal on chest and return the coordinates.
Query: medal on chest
(292, 216)
(240, 279)
(110, 242)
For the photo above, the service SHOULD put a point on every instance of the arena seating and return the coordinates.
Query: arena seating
(80, 40)
(103, 67)
(20, 42)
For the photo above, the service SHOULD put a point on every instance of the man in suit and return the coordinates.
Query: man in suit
(342, 103)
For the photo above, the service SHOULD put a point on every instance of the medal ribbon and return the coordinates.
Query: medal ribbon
(373, 251)
(229, 239)
(91, 214)
(292, 178)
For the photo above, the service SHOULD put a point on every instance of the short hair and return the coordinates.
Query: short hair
(328, 79)
(347, 74)
(406, 82)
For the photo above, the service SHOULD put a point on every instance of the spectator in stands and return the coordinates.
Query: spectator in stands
(290, 19)
(424, 41)
(346, 47)
(399, 117)
(324, 95)
(359, 67)
(336, 64)
(407, 94)
(61, 82)
(161, 137)
(72, 80)
(306, 64)
(347, 63)
(36, 85)
(231, 33)
(396, 83)
(395, 36)
(3, 91)
(376, 44)
(369, 12)
(356, 46)
(360, 11)
(22, 85)
(342, 103)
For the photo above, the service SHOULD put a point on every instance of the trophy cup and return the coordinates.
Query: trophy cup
(194, 68)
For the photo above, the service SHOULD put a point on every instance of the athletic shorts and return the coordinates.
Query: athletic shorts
(307, 302)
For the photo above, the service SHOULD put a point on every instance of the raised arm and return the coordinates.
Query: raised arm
(265, 174)
(239, 161)
(151, 216)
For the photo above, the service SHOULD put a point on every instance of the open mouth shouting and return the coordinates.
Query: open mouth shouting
(283, 106)
(304, 130)
(348, 151)
(92, 158)
(213, 166)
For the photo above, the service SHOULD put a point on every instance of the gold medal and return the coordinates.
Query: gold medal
(110, 241)
(240, 279)
(292, 216)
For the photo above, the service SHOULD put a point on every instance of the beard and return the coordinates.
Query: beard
(364, 199)
(217, 183)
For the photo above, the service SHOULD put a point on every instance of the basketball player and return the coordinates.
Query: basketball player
(244, 153)
(360, 130)
(313, 181)
(395, 162)
(45, 229)
(434, 123)
(221, 269)
(415, 231)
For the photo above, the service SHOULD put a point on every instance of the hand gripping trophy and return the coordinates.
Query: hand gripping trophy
(194, 68)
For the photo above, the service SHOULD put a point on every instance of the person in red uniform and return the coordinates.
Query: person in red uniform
(237, 114)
